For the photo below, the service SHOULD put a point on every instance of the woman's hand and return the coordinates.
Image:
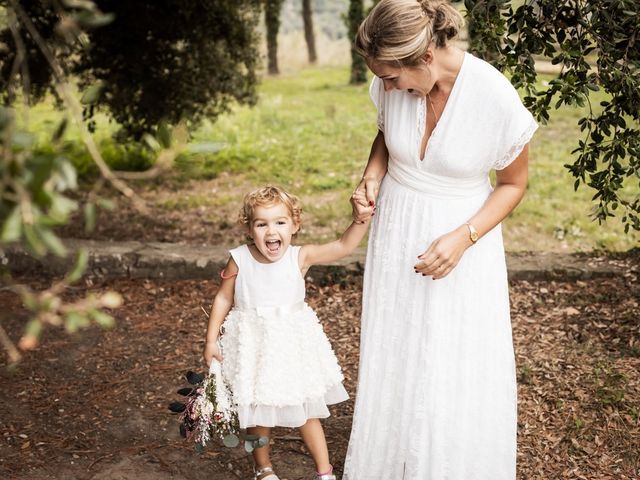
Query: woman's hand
(444, 253)
(363, 200)
(211, 351)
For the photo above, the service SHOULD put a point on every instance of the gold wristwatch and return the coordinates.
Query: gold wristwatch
(473, 233)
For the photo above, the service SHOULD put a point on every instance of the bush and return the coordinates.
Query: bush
(149, 61)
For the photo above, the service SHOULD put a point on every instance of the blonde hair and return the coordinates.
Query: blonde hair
(269, 195)
(400, 31)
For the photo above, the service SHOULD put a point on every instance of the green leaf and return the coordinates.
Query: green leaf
(80, 4)
(87, 19)
(73, 321)
(80, 266)
(34, 328)
(34, 242)
(53, 243)
(164, 135)
(151, 142)
(262, 441)
(92, 94)
(68, 173)
(89, 217)
(29, 301)
(12, 228)
(231, 440)
(59, 132)
(102, 319)
(105, 203)
(61, 208)
(178, 407)
(194, 378)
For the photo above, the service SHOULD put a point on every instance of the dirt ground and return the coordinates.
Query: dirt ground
(94, 405)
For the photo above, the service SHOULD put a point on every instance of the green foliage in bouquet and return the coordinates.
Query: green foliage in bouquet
(209, 412)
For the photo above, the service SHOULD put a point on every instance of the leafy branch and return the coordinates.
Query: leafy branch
(597, 45)
(34, 185)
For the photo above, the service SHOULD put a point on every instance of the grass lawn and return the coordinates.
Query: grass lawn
(311, 133)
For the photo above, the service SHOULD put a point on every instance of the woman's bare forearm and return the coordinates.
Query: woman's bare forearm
(510, 188)
(499, 204)
(378, 159)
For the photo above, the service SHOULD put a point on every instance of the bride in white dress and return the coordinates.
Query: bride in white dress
(436, 396)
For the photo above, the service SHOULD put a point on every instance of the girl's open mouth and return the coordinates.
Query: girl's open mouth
(273, 246)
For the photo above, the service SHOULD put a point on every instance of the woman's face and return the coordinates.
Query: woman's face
(417, 80)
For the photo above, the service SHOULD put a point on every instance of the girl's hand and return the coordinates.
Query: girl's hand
(211, 351)
(444, 253)
(363, 200)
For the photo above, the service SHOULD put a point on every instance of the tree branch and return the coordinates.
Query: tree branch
(64, 90)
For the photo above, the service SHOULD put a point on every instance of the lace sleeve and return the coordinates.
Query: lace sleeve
(516, 147)
(515, 124)
(376, 92)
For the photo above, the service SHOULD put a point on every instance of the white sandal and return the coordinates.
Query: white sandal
(269, 474)
(326, 476)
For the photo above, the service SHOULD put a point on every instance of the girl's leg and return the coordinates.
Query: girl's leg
(313, 437)
(261, 455)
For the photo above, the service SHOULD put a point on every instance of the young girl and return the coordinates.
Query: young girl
(277, 359)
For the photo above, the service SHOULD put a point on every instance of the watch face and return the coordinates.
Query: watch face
(474, 236)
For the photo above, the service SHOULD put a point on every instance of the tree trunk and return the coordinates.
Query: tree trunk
(358, 65)
(272, 22)
(307, 18)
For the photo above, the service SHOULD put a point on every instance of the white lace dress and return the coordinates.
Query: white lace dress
(276, 357)
(436, 396)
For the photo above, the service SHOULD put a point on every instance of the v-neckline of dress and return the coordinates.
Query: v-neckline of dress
(422, 113)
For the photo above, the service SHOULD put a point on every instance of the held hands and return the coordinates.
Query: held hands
(363, 199)
(211, 351)
(444, 253)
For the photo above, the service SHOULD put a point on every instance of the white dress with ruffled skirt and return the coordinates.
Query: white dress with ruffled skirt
(436, 397)
(277, 360)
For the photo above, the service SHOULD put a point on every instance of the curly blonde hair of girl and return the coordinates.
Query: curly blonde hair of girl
(266, 196)
(399, 32)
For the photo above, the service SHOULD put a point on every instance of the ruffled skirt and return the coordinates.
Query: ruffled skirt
(280, 367)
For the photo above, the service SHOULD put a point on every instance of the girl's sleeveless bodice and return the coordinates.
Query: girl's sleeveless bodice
(276, 284)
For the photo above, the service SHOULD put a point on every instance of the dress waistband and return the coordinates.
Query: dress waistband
(438, 185)
(273, 311)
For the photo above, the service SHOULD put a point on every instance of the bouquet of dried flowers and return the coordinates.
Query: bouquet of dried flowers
(209, 411)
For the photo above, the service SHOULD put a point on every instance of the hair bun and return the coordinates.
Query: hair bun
(446, 20)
